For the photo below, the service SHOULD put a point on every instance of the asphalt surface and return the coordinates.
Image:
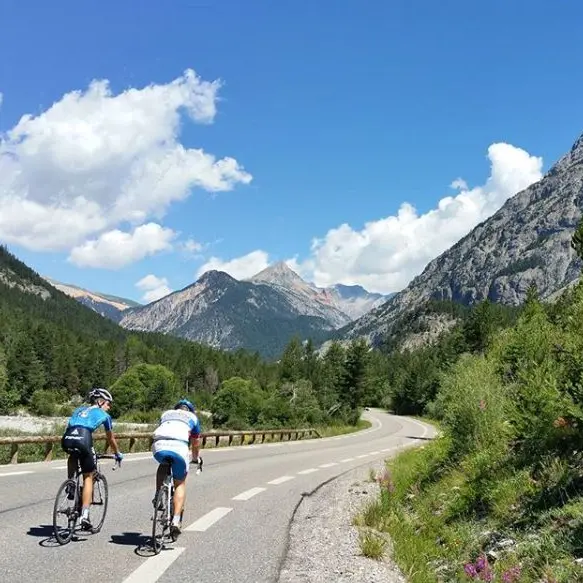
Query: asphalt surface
(236, 522)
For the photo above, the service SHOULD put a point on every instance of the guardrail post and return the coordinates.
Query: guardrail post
(253, 438)
(14, 453)
(48, 451)
(217, 439)
(204, 441)
(262, 437)
(132, 444)
(230, 439)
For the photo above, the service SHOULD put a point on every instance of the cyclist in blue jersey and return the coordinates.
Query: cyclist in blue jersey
(78, 443)
(178, 428)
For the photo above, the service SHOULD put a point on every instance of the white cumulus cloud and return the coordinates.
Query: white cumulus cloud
(153, 287)
(387, 253)
(191, 247)
(239, 268)
(116, 249)
(96, 159)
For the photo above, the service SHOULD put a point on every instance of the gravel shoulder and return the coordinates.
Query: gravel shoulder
(324, 545)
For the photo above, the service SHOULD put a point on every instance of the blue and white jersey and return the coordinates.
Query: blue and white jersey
(90, 417)
(179, 425)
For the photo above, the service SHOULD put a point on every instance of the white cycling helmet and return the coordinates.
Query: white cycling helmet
(99, 393)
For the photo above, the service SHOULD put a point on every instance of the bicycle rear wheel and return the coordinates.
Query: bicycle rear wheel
(68, 508)
(160, 519)
(100, 500)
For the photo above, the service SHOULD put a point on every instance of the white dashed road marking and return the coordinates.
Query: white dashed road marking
(328, 465)
(347, 459)
(152, 569)
(281, 480)
(248, 494)
(206, 521)
(308, 471)
(16, 473)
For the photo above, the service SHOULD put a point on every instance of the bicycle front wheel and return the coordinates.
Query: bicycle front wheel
(159, 520)
(66, 507)
(100, 501)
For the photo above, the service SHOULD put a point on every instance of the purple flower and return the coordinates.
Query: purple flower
(470, 570)
(481, 563)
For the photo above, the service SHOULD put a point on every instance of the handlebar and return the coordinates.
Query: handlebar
(107, 456)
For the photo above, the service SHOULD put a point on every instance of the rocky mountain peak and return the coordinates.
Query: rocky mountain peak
(214, 277)
(279, 274)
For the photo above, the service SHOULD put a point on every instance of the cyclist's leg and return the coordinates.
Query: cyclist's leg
(67, 445)
(179, 497)
(88, 462)
(179, 473)
(72, 465)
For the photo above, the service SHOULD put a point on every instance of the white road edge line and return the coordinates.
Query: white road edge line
(248, 494)
(281, 480)
(308, 471)
(206, 521)
(16, 473)
(152, 569)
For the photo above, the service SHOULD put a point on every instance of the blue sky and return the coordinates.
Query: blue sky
(339, 111)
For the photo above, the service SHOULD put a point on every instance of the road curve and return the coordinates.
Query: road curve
(236, 521)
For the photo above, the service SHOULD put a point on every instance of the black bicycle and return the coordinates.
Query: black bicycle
(164, 508)
(68, 502)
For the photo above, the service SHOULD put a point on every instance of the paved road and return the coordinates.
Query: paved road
(235, 524)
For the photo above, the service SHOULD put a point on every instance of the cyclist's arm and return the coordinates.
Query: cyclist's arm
(195, 440)
(108, 426)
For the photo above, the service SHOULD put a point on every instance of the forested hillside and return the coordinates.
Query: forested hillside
(53, 349)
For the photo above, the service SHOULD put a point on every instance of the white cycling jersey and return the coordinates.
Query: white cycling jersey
(177, 424)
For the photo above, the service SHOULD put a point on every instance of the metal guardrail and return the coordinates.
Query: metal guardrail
(50, 440)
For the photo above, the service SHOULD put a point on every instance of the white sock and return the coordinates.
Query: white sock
(176, 519)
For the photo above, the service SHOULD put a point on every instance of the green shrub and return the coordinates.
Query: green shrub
(475, 407)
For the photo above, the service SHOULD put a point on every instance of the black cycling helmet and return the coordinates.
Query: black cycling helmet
(185, 403)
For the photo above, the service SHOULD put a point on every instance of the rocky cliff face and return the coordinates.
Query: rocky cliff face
(527, 241)
(108, 306)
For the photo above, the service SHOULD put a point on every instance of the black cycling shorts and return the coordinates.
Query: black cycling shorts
(78, 442)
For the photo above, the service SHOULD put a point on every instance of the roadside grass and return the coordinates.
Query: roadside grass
(372, 544)
(334, 430)
(446, 522)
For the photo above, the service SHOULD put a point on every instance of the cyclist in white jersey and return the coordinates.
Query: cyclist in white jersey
(179, 428)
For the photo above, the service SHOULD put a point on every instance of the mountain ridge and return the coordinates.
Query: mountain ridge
(502, 256)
